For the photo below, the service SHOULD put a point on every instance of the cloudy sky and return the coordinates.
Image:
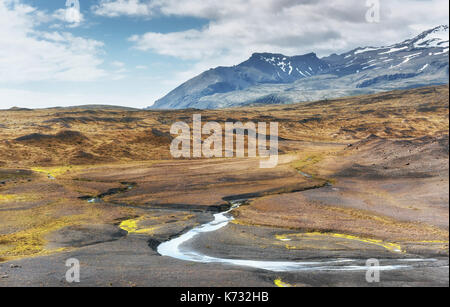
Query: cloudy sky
(132, 52)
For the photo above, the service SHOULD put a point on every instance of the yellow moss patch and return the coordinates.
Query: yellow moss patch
(31, 242)
(5, 198)
(16, 197)
(239, 222)
(136, 225)
(279, 283)
(309, 159)
(392, 247)
(25, 231)
(57, 171)
(53, 171)
(132, 226)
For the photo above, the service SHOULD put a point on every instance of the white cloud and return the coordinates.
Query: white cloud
(118, 64)
(122, 7)
(238, 28)
(27, 54)
(120, 71)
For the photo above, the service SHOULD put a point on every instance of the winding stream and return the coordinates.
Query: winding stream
(174, 249)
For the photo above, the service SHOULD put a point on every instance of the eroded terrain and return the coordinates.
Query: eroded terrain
(358, 178)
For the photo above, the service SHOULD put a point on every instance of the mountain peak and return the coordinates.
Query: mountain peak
(436, 37)
(273, 77)
(266, 54)
(259, 55)
(441, 28)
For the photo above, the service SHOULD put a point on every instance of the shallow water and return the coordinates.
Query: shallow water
(173, 249)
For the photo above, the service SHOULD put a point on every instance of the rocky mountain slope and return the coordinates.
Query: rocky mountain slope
(274, 78)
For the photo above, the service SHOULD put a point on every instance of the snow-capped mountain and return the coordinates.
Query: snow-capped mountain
(428, 48)
(261, 68)
(275, 78)
(283, 69)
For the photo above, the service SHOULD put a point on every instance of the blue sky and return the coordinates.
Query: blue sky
(132, 52)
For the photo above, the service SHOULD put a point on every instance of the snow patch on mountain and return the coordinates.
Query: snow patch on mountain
(438, 37)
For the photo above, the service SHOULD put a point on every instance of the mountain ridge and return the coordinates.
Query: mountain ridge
(267, 78)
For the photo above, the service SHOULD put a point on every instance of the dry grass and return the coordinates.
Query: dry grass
(106, 147)
(294, 212)
(37, 138)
